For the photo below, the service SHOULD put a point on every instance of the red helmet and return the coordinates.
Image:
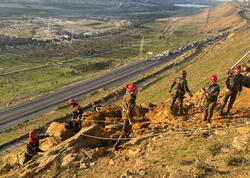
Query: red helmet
(132, 87)
(32, 133)
(71, 101)
(237, 67)
(213, 78)
(183, 72)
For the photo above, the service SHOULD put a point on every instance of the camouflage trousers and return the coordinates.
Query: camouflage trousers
(232, 97)
(209, 107)
(126, 128)
(181, 98)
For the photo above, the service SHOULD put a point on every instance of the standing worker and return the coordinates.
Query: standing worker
(211, 91)
(75, 123)
(128, 105)
(234, 83)
(32, 147)
(181, 88)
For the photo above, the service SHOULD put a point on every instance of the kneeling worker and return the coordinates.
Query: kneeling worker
(32, 147)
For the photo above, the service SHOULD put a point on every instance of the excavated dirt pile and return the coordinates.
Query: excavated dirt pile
(64, 149)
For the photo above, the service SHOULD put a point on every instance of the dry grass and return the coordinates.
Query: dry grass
(215, 59)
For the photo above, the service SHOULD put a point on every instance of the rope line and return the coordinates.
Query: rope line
(120, 122)
(157, 134)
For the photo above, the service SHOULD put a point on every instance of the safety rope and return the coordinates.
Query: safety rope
(157, 134)
(121, 122)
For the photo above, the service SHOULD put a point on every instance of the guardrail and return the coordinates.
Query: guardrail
(240, 60)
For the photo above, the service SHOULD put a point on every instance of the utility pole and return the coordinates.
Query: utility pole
(141, 48)
(49, 27)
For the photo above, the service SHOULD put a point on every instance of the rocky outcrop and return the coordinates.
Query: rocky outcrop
(64, 153)
(58, 131)
(241, 143)
(102, 128)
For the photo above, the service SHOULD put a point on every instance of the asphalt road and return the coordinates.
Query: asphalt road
(13, 116)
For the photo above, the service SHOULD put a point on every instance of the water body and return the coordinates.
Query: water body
(191, 5)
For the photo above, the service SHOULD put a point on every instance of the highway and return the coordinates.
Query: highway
(11, 117)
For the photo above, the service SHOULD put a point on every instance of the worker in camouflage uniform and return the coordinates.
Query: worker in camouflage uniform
(128, 105)
(234, 83)
(211, 91)
(181, 87)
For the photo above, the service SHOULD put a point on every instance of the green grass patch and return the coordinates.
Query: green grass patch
(1, 161)
(192, 147)
(236, 160)
(215, 148)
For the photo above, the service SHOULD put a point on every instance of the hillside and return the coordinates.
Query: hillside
(215, 59)
(161, 144)
(56, 65)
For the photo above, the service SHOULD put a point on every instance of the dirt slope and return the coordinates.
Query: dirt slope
(65, 151)
(223, 17)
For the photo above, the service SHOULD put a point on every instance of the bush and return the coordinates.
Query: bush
(235, 160)
(201, 168)
(214, 148)
(91, 67)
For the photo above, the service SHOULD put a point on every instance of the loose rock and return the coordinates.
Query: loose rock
(241, 142)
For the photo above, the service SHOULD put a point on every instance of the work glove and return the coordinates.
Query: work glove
(228, 91)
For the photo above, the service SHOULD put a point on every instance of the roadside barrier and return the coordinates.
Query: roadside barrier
(240, 60)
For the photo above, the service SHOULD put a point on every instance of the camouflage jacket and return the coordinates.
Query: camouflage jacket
(128, 104)
(212, 90)
(234, 82)
(180, 85)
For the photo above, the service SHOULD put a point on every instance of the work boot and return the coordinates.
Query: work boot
(221, 112)
(205, 116)
(228, 111)
(116, 148)
(172, 104)
(180, 112)
(130, 121)
(171, 107)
